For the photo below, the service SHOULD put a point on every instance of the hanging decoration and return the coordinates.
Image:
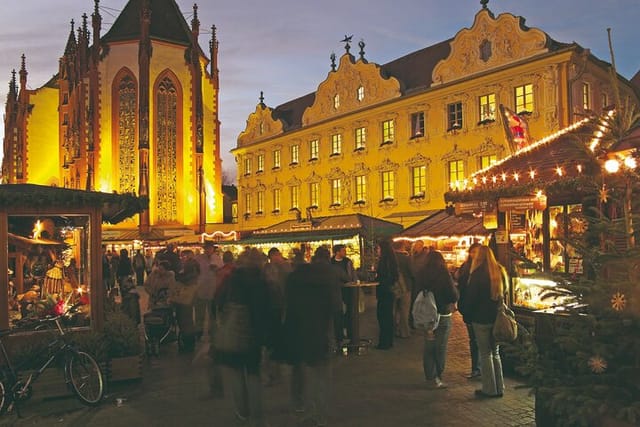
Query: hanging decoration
(516, 128)
(618, 301)
(603, 194)
(597, 364)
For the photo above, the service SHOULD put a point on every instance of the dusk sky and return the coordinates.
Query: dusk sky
(282, 47)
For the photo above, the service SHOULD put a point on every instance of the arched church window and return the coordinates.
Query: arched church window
(126, 134)
(166, 151)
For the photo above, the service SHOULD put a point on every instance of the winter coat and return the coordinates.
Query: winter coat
(478, 305)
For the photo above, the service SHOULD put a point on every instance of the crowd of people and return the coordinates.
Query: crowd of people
(264, 311)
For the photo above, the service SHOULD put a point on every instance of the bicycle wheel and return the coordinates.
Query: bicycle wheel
(3, 397)
(85, 377)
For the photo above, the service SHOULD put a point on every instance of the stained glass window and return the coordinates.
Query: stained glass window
(127, 97)
(166, 150)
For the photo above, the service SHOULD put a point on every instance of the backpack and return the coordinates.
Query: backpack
(425, 311)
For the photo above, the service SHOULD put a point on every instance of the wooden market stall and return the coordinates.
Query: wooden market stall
(52, 253)
(541, 197)
(448, 233)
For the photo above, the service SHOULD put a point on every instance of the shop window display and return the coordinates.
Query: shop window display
(48, 266)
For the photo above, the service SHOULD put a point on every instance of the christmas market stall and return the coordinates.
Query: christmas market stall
(448, 233)
(541, 197)
(53, 252)
(304, 234)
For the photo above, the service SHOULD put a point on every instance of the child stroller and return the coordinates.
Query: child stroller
(159, 326)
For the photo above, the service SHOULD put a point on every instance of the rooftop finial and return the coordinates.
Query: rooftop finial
(96, 7)
(73, 25)
(361, 45)
(333, 61)
(346, 41)
(261, 98)
(484, 3)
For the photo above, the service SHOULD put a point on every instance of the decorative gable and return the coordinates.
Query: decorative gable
(352, 86)
(260, 125)
(491, 42)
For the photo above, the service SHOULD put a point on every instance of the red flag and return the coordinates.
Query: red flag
(516, 129)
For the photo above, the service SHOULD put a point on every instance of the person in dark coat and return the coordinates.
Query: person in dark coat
(247, 287)
(435, 277)
(386, 276)
(484, 294)
(462, 277)
(312, 299)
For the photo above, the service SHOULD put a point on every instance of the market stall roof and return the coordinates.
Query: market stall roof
(562, 163)
(443, 224)
(115, 207)
(323, 228)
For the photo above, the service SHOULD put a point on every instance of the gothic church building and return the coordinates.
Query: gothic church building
(132, 110)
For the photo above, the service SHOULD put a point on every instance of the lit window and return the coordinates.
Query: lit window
(247, 166)
(454, 116)
(418, 181)
(247, 203)
(314, 194)
(524, 99)
(336, 101)
(486, 161)
(276, 159)
(456, 171)
(360, 94)
(276, 199)
(295, 196)
(336, 192)
(260, 202)
(295, 154)
(388, 132)
(260, 163)
(487, 107)
(417, 125)
(361, 138)
(234, 213)
(586, 96)
(314, 149)
(336, 144)
(361, 188)
(388, 185)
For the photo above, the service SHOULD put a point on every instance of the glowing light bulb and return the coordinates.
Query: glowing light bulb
(612, 166)
(532, 174)
(630, 162)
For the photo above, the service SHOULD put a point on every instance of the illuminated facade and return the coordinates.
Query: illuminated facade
(389, 140)
(133, 110)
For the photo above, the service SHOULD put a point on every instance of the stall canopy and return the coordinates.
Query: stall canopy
(115, 207)
(323, 228)
(444, 224)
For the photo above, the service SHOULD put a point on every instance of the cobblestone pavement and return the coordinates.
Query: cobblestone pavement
(376, 389)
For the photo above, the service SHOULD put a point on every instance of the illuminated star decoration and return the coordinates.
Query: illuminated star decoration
(618, 301)
(597, 364)
(604, 194)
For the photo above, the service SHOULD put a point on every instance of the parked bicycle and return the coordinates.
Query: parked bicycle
(81, 372)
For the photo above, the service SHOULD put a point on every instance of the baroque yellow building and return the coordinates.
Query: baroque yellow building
(389, 140)
(133, 110)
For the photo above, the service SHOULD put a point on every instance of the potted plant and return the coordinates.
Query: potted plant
(124, 349)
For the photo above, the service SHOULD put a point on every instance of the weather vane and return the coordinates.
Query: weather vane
(346, 41)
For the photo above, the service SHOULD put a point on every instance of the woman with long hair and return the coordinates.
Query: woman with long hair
(485, 291)
(386, 276)
(435, 277)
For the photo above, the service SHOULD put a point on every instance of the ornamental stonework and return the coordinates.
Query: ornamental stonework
(491, 42)
(260, 125)
(338, 94)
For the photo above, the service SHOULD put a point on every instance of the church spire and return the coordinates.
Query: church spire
(71, 42)
(23, 73)
(213, 48)
(13, 88)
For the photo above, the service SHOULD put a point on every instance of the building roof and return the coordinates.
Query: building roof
(442, 224)
(324, 228)
(167, 23)
(115, 207)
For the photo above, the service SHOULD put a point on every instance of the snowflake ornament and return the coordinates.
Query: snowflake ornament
(604, 194)
(618, 301)
(597, 364)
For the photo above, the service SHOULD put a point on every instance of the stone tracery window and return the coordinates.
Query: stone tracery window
(166, 151)
(127, 106)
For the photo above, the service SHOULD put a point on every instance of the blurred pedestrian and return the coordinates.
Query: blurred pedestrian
(182, 298)
(484, 294)
(436, 278)
(275, 273)
(311, 299)
(343, 322)
(402, 301)
(462, 277)
(139, 267)
(417, 261)
(209, 262)
(245, 300)
(386, 276)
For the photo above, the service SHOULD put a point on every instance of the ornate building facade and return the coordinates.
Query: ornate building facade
(132, 111)
(389, 140)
